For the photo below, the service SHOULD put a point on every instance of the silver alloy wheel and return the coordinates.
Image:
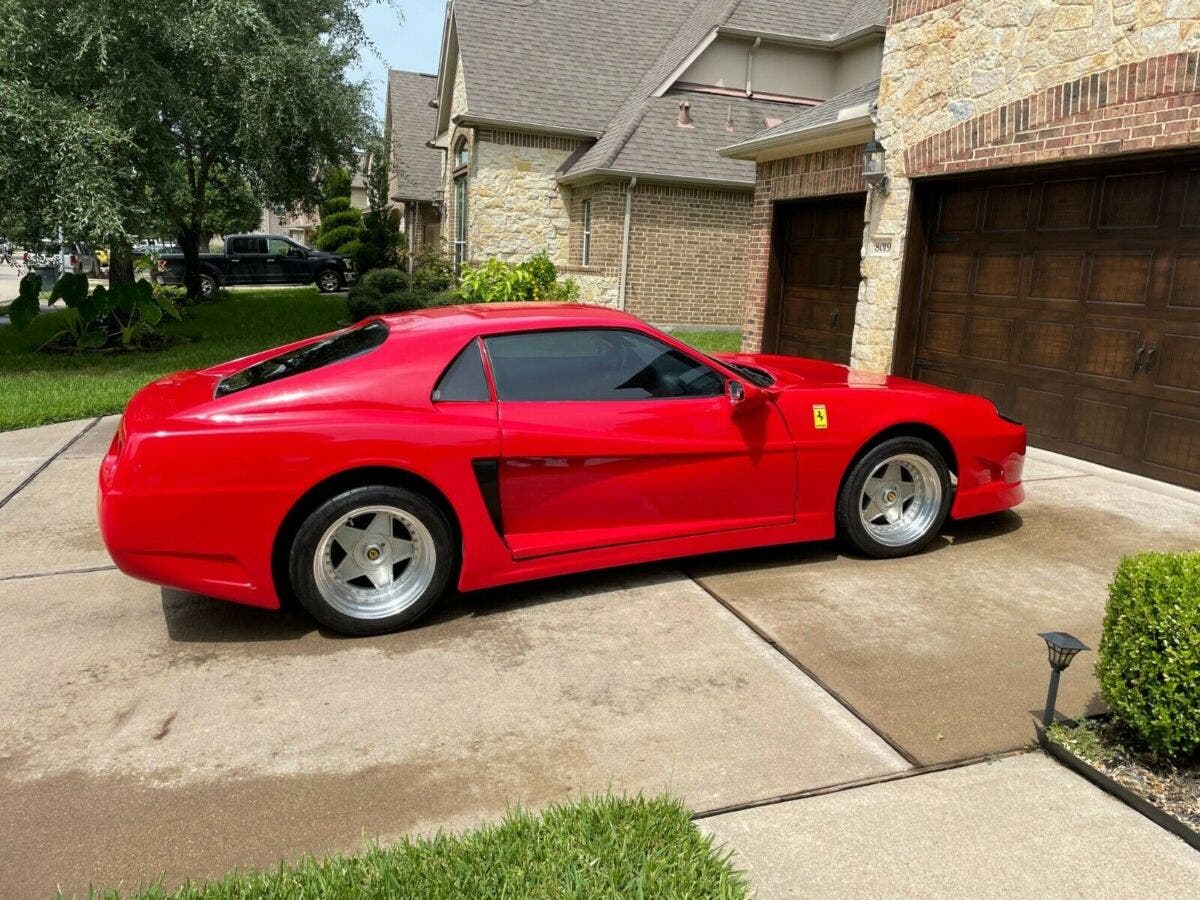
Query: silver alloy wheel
(375, 562)
(901, 499)
(328, 281)
(208, 287)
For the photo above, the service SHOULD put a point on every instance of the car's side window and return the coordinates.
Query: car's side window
(595, 364)
(464, 379)
(278, 247)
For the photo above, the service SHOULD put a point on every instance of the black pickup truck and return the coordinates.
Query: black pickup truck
(261, 259)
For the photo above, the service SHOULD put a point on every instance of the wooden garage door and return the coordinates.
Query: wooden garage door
(820, 252)
(1071, 298)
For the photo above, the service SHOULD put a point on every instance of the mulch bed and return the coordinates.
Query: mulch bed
(1113, 750)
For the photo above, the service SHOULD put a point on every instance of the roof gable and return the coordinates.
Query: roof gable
(416, 169)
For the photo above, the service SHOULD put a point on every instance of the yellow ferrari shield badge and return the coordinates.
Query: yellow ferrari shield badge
(820, 416)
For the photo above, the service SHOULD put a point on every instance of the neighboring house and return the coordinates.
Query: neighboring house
(358, 187)
(297, 224)
(591, 130)
(1038, 238)
(415, 169)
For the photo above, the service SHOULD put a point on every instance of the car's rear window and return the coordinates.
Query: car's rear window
(333, 349)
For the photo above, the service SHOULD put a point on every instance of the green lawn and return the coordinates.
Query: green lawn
(39, 388)
(596, 848)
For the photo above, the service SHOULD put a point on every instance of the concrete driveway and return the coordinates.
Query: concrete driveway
(151, 733)
(940, 651)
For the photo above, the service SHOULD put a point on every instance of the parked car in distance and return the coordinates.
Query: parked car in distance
(261, 259)
(368, 471)
(76, 256)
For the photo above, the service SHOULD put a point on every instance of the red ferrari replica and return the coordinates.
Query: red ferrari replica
(368, 471)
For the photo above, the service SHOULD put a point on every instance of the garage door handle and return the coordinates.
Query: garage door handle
(1150, 354)
(1137, 359)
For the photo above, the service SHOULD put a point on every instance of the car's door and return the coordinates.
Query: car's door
(287, 263)
(611, 436)
(247, 260)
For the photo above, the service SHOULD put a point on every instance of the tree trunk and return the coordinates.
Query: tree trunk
(189, 243)
(120, 262)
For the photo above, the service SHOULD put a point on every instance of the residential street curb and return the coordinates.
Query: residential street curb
(1118, 790)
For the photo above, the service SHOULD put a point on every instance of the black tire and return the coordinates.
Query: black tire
(208, 286)
(329, 281)
(308, 537)
(851, 501)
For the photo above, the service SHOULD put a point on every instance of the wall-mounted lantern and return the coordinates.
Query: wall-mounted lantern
(439, 199)
(875, 167)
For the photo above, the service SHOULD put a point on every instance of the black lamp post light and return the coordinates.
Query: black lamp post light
(1063, 648)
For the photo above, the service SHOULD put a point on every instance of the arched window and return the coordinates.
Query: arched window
(462, 156)
(462, 153)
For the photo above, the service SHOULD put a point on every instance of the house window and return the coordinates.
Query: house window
(462, 153)
(587, 232)
(460, 221)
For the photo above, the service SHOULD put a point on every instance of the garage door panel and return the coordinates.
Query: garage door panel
(1173, 442)
(1067, 204)
(1047, 345)
(1057, 276)
(1120, 278)
(1070, 296)
(1109, 352)
(1185, 283)
(989, 337)
(1132, 201)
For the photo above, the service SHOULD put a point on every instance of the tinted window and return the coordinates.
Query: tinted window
(340, 346)
(248, 245)
(595, 364)
(464, 380)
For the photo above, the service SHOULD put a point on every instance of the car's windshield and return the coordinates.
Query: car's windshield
(335, 348)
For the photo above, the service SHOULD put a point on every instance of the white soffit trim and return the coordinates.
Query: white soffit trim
(857, 127)
(686, 64)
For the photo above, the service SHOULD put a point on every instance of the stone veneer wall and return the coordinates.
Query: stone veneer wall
(1070, 79)
(826, 173)
(687, 254)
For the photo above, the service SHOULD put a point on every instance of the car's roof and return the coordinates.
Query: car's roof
(492, 317)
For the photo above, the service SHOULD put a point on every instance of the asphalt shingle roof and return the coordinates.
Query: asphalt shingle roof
(417, 169)
(594, 67)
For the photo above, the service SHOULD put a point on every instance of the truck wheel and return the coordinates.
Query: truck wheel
(208, 287)
(329, 281)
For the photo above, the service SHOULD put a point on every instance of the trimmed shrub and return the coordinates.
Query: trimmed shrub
(392, 290)
(1149, 660)
(338, 219)
(335, 205)
(336, 237)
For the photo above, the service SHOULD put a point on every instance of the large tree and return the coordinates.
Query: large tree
(117, 118)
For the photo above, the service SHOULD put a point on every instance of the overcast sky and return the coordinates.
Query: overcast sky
(407, 35)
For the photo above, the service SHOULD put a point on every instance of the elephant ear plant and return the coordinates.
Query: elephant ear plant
(125, 315)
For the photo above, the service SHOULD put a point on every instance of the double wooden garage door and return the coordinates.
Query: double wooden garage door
(1071, 298)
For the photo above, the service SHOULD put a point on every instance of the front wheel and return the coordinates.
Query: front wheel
(371, 560)
(895, 499)
(329, 281)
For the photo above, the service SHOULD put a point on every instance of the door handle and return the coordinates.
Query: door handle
(1150, 355)
(1137, 359)
(235, 260)
(929, 363)
(833, 317)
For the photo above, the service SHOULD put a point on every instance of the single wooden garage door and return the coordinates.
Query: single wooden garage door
(820, 243)
(1071, 298)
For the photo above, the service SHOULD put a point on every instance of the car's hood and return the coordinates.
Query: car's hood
(790, 371)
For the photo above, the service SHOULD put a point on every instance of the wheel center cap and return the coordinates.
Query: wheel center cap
(372, 553)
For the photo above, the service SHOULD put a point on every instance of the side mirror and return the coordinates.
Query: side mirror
(744, 396)
(736, 391)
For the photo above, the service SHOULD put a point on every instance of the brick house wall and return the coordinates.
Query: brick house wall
(826, 173)
(687, 254)
(970, 85)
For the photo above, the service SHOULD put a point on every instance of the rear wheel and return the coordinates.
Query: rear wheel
(895, 499)
(208, 286)
(371, 560)
(328, 281)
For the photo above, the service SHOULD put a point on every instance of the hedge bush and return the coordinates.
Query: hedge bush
(391, 290)
(334, 238)
(1149, 660)
(335, 205)
(344, 217)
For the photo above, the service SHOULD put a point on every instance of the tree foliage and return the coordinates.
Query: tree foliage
(118, 118)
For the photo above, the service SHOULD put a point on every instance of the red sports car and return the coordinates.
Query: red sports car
(368, 471)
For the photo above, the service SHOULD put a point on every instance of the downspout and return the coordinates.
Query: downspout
(750, 66)
(412, 224)
(625, 242)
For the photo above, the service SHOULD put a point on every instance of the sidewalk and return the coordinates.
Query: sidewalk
(1020, 827)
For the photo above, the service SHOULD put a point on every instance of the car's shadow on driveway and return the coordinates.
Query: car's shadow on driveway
(191, 618)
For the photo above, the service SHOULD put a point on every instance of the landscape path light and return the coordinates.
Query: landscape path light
(1063, 648)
